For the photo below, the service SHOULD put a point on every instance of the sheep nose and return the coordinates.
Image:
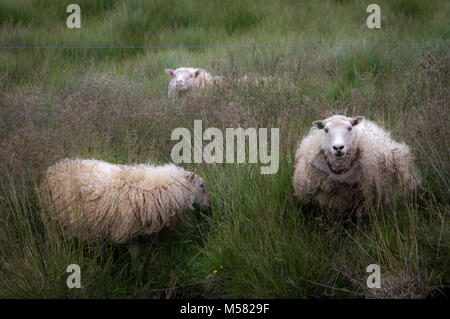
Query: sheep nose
(338, 147)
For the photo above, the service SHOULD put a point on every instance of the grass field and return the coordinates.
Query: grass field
(111, 104)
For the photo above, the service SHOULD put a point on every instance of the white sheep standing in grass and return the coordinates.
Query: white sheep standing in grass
(187, 78)
(118, 203)
(344, 161)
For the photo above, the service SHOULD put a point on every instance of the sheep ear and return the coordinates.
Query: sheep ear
(190, 176)
(356, 120)
(318, 124)
(170, 72)
(197, 72)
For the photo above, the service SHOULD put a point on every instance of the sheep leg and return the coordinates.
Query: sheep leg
(360, 224)
(134, 248)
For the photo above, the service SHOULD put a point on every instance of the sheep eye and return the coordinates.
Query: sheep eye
(350, 128)
(326, 130)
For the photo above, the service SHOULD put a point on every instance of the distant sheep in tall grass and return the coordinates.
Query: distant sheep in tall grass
(343, 161)
(118, 203)
(187, 78)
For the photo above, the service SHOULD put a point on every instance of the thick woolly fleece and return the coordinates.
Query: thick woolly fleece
(374, 165)
(92, 198)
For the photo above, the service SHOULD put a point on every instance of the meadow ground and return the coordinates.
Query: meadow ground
(112, 104)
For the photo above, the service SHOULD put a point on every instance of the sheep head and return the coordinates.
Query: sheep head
(339, 141)
(184, 78)
(201, 199)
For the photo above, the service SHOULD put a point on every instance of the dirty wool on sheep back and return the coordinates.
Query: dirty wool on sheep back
(92, 198)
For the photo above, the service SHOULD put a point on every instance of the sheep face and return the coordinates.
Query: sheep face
(201, 199)
(184, 78)
(338, 139)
